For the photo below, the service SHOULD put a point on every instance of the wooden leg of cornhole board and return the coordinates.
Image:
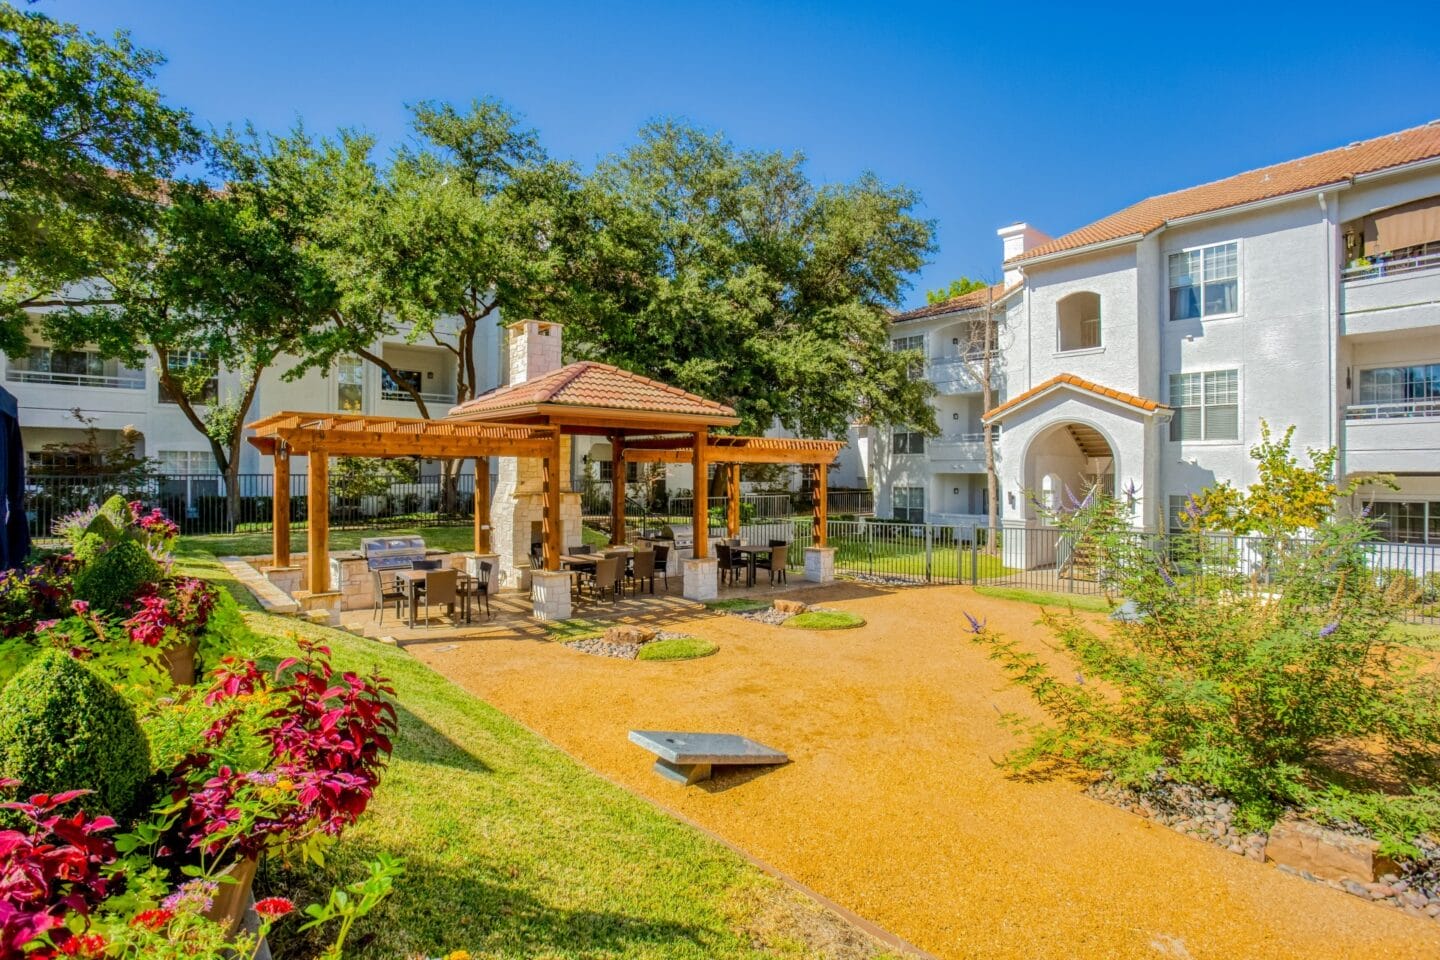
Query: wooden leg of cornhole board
(683, 773)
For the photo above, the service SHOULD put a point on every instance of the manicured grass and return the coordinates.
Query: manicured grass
(512, 849)
(453, 539)
(906, 557)
(678, 648)
(737, 605)
(826, 620)
(563, 631)
(1080, 601)
(1421, 635)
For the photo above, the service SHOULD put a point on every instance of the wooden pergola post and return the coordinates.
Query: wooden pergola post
(550, 524)
(318, 523)
(617, 489)
(732, 501)
(701, 495)
(280, 509)
(821, 500)
(482, 505)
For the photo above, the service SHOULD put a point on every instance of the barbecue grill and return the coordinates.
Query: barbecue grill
(392, 553)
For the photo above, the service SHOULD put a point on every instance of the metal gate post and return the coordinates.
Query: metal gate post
(870, 547)
(975, 557)
(929, 549)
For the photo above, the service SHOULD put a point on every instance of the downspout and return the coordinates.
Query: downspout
(1331, 327)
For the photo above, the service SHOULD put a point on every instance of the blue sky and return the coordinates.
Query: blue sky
(1056, 114)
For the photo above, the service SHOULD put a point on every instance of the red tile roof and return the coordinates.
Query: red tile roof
(966, 301)
(1069, 379)
(592, 384)
(1293, 176)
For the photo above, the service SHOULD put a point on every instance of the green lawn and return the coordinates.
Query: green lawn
(678, 648)
(906, 557)
(451, 539)
(512, 849)
(825, 620)
(1080, 601)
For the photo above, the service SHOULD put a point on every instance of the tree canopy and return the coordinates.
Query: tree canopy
(728, 273)
(957, 288)
(85, 139)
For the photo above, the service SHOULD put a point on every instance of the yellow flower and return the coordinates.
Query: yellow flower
(286, 785)
(458, 955)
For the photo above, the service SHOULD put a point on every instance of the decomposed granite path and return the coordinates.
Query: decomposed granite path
(892, 806)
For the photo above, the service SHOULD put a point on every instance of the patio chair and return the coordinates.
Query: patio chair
(642, 568)
(775, 563)
(537, 556)
(662, 566)
(779, 543)
(607, 577)
(385, 595)
(440, 587)
(581, 548)
(478, 587)
(726, 565)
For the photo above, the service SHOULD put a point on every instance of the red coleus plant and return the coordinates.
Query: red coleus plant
(329, 741)
(183, 604)
(55, 867)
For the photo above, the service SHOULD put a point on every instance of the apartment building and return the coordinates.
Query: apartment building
(51, 384)
(1143, 350)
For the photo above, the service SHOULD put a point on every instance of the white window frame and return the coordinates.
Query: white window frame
(341, 382)
(1204, 419)
(1428, 503)
(916, 370)
(909, 492)
(896, 432)
(1239, 281)
(1395, 365)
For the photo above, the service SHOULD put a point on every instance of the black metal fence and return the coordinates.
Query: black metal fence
(198, 502)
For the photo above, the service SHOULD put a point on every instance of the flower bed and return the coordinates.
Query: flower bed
(171, 790)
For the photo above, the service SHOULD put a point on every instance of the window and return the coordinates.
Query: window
(390, 390)
(351, 375)
(909, 504)
(1407, 521)
(79, 368)
(186, 461)
(1176, 506)
(1205, 282)
(62, 461)
(607, 471)
(1399, 384)
(907, 441)
(917, 344)
(185, 365)
(1207, 405)
(1077, 318)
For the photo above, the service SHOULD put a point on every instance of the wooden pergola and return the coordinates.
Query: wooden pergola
(645, 422)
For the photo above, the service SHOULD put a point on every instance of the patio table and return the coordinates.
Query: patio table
(750, 551)
(412, 580)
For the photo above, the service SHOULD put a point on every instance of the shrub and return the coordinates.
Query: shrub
(111, 580)
(64, 728)
(40, 593)
(1259, 683)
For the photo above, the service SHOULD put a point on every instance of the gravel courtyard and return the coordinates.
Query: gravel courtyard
(892, 806)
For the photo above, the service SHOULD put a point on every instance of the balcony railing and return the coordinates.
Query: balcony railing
(1393, 268)
(133, 381)
(1405, 410)
(405, 396)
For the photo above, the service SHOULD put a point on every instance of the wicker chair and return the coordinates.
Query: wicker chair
(775, 562)
(384, 595)
(440, 587)
(662, 566)
(607, 577)
(642, 568)
(726, 567)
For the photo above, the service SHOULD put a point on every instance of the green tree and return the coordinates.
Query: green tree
(219, 286)
(729, 274)
(957, 288)
(85, 140)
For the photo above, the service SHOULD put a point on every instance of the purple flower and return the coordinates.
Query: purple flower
(976, 626)
(196, 895)
(1165, 575)
(1329, 628)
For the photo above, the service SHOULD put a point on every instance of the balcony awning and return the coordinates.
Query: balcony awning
(1402, 227)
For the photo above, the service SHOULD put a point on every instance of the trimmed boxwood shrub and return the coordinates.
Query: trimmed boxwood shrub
(114, 577)
(62, 727)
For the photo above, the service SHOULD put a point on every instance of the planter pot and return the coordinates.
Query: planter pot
(179, 660)
(232, 898)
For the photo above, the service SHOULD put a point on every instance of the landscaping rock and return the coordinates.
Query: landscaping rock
(1326, 853)
(790, 607)
(629, 633)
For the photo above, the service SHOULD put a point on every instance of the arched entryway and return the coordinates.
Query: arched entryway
(1067, 460)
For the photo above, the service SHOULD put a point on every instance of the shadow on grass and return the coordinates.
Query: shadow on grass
(420, 742)
(438, 908)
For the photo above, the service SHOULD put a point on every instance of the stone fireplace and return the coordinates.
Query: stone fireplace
(517, 512)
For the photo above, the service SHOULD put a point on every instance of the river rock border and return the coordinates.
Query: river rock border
(1413, 887)
(599, 646)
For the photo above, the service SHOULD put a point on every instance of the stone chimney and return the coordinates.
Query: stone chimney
(534, 348)
(1017, 239)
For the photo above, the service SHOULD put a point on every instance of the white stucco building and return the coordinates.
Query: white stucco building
(1143, 351)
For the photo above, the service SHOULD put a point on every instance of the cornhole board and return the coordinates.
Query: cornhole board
(688, 757)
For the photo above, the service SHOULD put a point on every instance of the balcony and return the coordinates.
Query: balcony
(405, 396)
(957, 453)
(1393, 437)
(132, 380)
(1389, 295)
(952, 375)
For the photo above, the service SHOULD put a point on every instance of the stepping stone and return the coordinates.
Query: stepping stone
(688, 757)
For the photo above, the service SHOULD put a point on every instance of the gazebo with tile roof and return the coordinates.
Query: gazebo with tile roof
(645, 421)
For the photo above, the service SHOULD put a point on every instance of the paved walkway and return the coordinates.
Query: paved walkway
(892, 806)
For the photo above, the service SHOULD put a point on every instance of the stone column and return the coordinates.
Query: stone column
(700, 576)
(820, 564)
(550, 591)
